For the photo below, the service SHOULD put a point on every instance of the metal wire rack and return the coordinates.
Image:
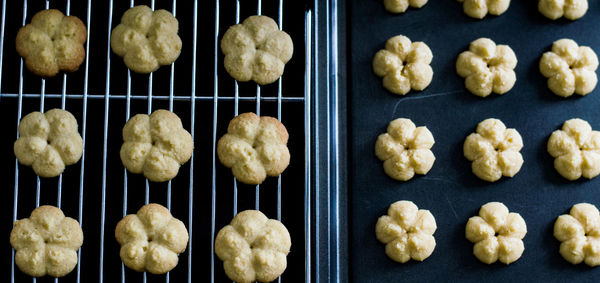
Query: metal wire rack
(317, 142)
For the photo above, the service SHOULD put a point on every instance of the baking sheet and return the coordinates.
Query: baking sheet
(450, 191)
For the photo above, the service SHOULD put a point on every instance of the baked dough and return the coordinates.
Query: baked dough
(487, 67)
(151, 240)
(494, 150)
(256, 50)
(48, 142)
(156, 145)
(570, 9)
(570, 68)
(52, 42)
(253, 247)
(404, 65)
(579, 234)
(576, 149)
(254, 148)
(400, 6)
(146, 40)
(405, 149)
(407, 232)
(497, 234)
(479, 8)
(46, 243)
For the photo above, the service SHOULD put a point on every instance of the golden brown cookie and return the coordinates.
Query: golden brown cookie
(256, 50)
(253, 247)
(151, 240)
(156, 145)
(254, 148)
(146, 40)
(48, 141)
(46, 243)
(52, 42)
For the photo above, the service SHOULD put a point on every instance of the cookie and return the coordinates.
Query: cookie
(254, 148)
(407, 232)
(156, 145)
(570, 68)
(487, 67)
(579, 234)
(405, 149)
(576, 149)
(146, 40)
(554, 9)
(46, 243)
(497, 234)
(151, 240)
(404, 65)
(256, 50)
(479, 8)
(494, 150)
(253, 247)
(48, 142)
(51, 43)
(400, 6)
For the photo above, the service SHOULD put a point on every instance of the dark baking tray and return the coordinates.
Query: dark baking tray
(450, 191)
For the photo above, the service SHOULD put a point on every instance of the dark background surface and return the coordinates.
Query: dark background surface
(450, 191)
(292, 118)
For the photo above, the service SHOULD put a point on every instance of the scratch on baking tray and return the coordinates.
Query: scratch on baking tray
(423, 97)
(440, 180)
(451, 206)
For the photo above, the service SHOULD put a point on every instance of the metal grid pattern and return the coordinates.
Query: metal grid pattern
(128, 97)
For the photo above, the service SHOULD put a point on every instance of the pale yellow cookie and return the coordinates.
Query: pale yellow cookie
(579, 234)
(46, 243)
(570, 9)
(151, 240)
(487, 67)
(405, 149)
(497, 234)
(254, 148)
(145, 39)
(52, 42)
(407, 232)
(48, 141)
(576, 149)
(404, 65)
(479, 8)
(400, 6)
(494, 150)
(253, 247)
(570, 68)
(156, 145)
(256, 50)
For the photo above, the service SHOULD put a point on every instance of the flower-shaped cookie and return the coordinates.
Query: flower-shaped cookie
(570, 68)
(479, 8)
(48, 142)
(497, 234)
(400, 6)
(46, 243)
(151, 240)
(253, 247)
(254, 148)
(52, 42)
(494, 150)
(579, 234)
(156, 145)
(407, 232)
(256, 50)
(146, 40)
(487, 67)
(404, 65)
(576, 149)
(571, 9)
(405, 149)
